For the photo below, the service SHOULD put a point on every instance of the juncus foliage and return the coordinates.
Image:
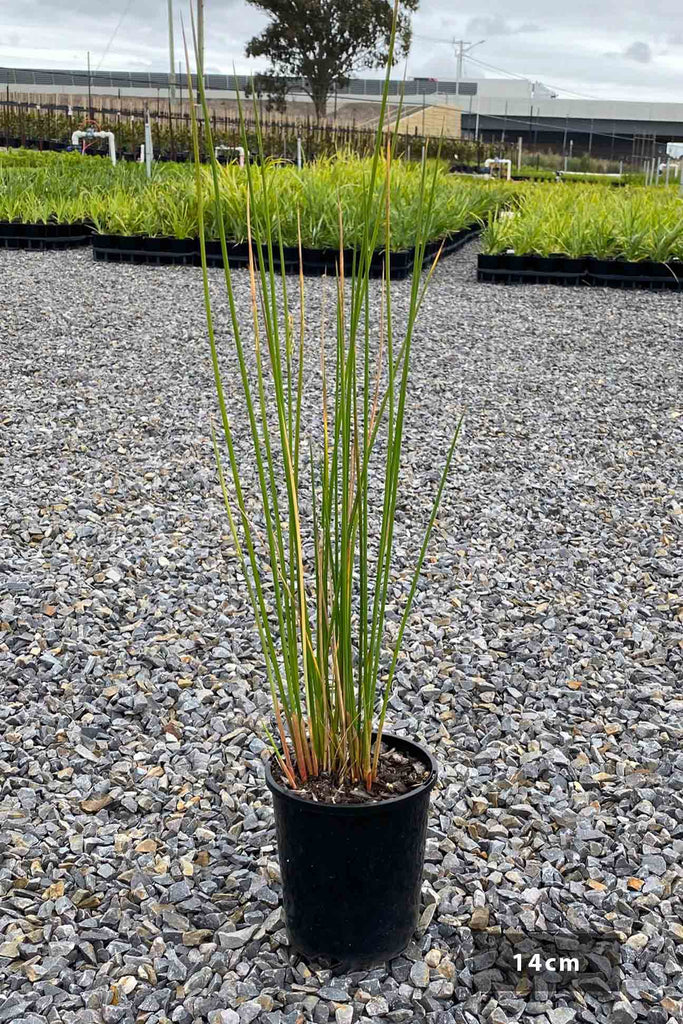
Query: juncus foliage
(318, 569)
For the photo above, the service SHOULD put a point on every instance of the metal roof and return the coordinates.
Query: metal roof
(223, 83)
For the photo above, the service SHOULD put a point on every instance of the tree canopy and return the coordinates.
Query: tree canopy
(321, 43)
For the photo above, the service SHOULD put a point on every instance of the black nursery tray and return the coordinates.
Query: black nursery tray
(144, 249)
(165, 251)
(563, 270)
(316, 262)
(43, 236)
(508, 269)
(645, 274)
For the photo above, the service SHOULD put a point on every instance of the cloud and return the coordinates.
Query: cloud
(495, 25)
(639, 52)
(560, 44)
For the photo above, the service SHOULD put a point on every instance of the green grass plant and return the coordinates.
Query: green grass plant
(120, 200)
(320, 571)
(631, 224)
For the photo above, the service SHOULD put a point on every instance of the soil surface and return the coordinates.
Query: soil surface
(397, 773)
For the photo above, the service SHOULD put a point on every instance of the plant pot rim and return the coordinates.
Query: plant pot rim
(399, 742)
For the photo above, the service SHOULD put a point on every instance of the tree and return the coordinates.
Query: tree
(321, 42)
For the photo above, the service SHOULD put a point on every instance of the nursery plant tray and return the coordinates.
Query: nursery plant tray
(43, 236)
(320, 261)
(144, 249)
(238, 254)
(644, 274)
(316, 262)
(511, 269)
(185, 251)
(508, 269)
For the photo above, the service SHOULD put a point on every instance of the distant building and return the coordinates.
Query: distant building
(492, 109)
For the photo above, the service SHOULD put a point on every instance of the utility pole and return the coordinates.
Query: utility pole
(460, 45)
(171, 55)
(200, 33)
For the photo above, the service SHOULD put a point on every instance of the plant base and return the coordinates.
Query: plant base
(352, 873)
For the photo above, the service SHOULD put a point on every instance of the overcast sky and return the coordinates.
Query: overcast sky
(603, 49)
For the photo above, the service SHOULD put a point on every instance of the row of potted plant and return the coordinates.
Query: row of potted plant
(632, 224)
(122, 201)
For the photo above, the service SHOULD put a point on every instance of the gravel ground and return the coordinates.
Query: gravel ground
(544, 666)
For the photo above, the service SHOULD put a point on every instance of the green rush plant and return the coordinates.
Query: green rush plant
(319, 574)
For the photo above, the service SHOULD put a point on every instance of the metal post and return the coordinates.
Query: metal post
(519, 152)
(666, 178)
(171, 55)
(148, 146)
(476, 123)
(299, 155)
(89, 90)
(200, 33)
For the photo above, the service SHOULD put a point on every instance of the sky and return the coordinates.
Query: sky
(594, 49)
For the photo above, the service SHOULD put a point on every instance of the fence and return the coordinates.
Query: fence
(50, 127)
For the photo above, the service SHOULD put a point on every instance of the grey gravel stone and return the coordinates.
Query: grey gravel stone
(419, 974)
(541, 664)
(561, 1015)
(249, 1011)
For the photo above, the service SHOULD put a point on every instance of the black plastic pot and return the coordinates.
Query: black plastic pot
(530, 269)
(516, 264)
(169, 250)
(502, 267)
(559, 268)
(321, 261)
(238, 254)
(401, 263)
(117, 248)
(291, 257)
(14, 235)
(352, 873)
(630, 274)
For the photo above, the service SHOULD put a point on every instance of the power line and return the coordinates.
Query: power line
(554, 127)
(114, 33)
(511, 74)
